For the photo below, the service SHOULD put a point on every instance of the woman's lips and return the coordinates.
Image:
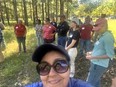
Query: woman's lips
(54, 81)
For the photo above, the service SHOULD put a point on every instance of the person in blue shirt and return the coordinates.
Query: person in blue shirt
(102, 54)
(53, 66)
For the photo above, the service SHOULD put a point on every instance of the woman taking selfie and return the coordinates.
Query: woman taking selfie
(54, 68)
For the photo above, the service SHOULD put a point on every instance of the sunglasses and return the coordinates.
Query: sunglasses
(59, 66)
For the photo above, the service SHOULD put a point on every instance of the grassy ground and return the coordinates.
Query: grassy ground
(14, 70)
(18, 69)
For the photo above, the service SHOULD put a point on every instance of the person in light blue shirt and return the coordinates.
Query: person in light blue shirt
(102, 54)
(54, 68)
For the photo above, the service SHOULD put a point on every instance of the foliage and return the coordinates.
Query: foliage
(34, 8)
(95, 8)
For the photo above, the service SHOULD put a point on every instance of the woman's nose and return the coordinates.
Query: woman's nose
(52, 72)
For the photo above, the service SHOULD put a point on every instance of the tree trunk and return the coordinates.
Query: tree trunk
(15, 10)
(36, 9)
(42, 12)
(33, 11)
(48, 8)
(67, 5)
(56, 10)
(25, 13)
(7, 14)
(61, 7)
(1, 14)
(46, 13)
(30, 11)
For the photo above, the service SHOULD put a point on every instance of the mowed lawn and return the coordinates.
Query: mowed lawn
(18, 69)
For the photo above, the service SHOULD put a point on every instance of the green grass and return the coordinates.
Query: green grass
(14, 62)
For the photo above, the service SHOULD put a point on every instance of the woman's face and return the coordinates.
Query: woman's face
(54, 79)
(73, 25)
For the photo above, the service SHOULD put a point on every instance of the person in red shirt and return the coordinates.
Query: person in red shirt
(48, 31)
(20, 32)
(85, 36)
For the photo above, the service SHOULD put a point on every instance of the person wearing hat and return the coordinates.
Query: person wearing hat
(62, 30)
(71, 44)
(101, 55)
(53, 67)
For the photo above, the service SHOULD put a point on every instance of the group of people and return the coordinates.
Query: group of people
(56, 62)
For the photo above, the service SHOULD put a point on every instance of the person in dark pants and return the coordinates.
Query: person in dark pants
(20, 32)
(86, 34)
(101, 55)
(54, 23)
(62, 30)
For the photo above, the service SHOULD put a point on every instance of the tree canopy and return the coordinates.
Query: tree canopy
(32, 9)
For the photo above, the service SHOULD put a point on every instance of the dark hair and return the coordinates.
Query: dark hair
(38, 21)
(103, 15)
(47, 19)
(62, 15)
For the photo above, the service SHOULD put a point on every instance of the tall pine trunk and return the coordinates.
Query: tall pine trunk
(15, 10)
(25, 13)
(6, 11)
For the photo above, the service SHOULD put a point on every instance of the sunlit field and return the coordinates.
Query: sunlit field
(112, 24)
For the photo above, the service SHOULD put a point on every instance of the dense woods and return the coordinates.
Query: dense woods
(29, 10)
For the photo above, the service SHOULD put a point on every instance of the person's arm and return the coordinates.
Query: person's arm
(15, 29)
(54, 30)
(113, 82)
(71, 45)
(89, 56)
(25, 30)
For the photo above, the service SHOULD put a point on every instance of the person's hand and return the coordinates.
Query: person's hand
(88, 55)
(113, 82)
(66, 48)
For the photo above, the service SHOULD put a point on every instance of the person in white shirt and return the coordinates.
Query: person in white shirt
(38, 29)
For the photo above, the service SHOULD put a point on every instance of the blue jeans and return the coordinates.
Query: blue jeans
(95, 74)
(21, 41)
(85, 45)
(62, 41)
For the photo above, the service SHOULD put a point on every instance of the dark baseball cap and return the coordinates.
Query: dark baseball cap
(45, 48)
